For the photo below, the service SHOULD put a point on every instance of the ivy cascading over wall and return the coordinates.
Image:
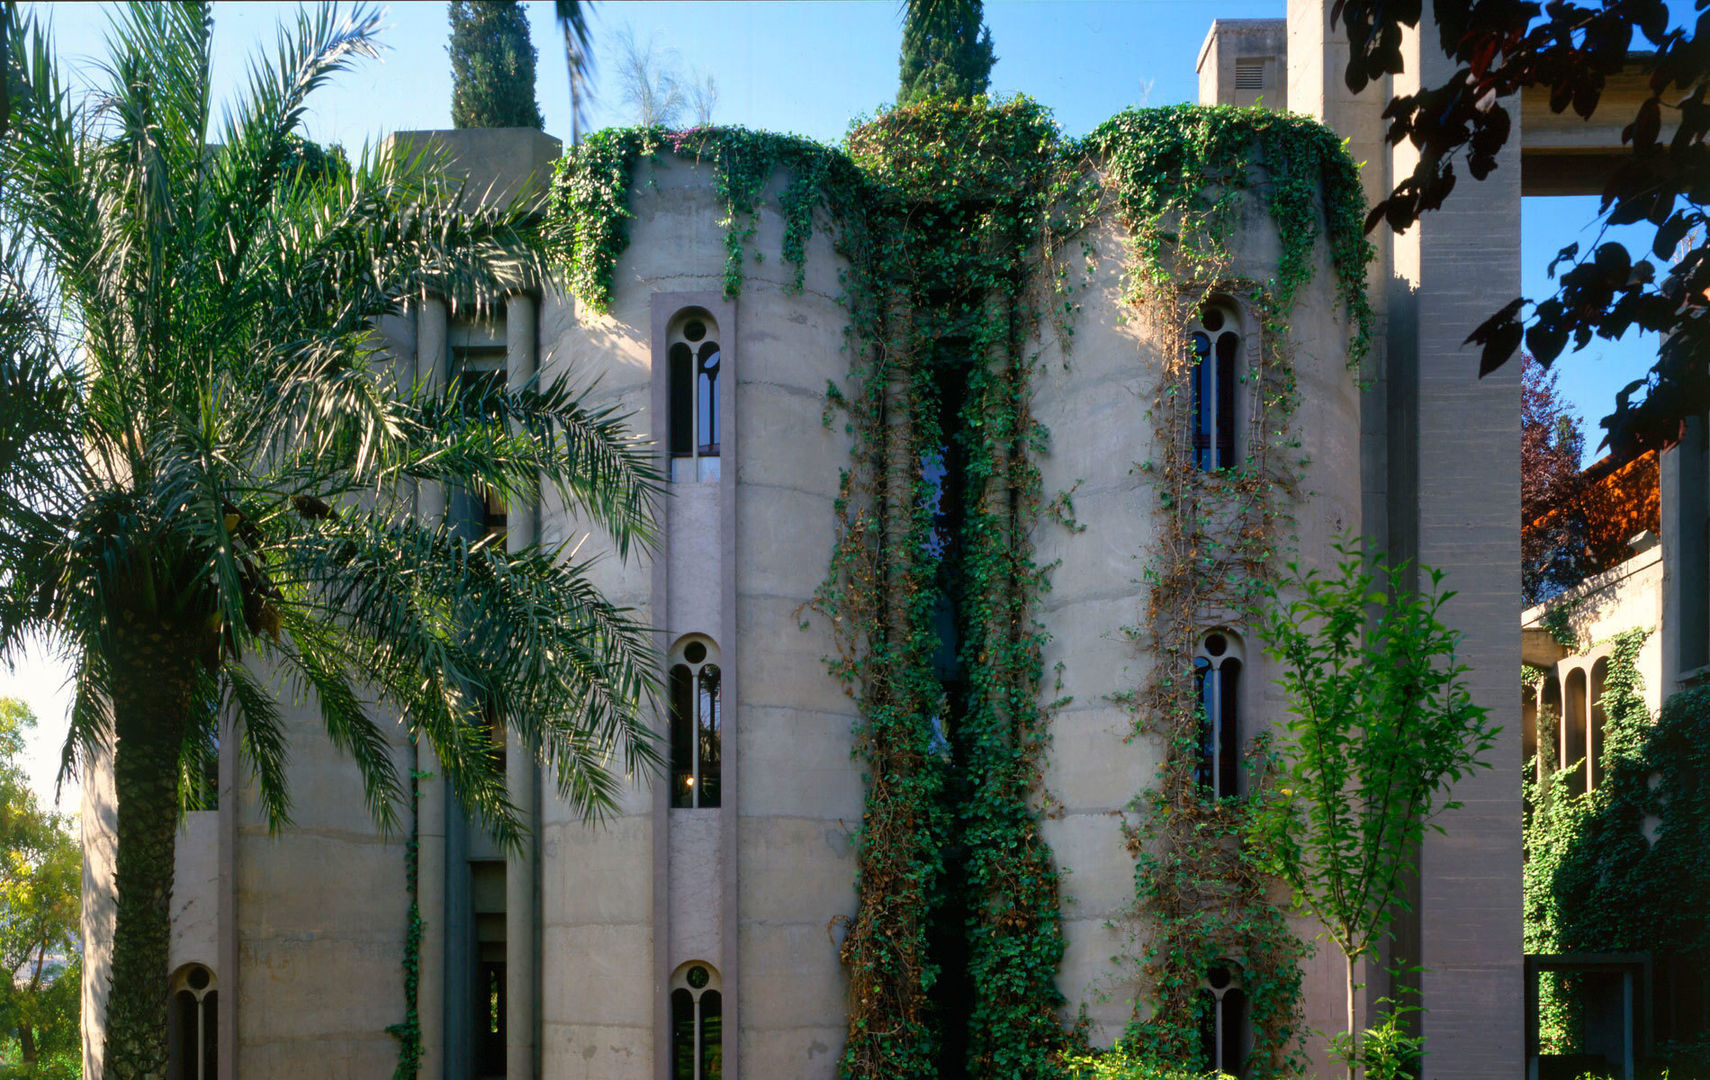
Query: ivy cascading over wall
(953, 216)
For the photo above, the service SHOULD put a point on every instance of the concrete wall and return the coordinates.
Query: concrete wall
(1103, 406)
(791, 868)
(321, 911)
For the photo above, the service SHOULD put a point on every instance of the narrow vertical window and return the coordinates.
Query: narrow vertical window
(1575, 721)
(193, 1046)
(693, 357)
(1598, 721)
(1217, 677)
(697, 1024)
(479, 383)
(1223, 1019)
(696, 725)
(1214, 353)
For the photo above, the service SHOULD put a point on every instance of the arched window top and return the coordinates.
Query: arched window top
(1214, 345)
(696, 686)
(196, 979)
(697, 977)
(1219, 646)
(695, 365)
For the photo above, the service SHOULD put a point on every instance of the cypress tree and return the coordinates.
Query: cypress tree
(492, 66)
(946, 50)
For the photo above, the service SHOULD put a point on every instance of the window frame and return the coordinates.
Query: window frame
(1218, 768)
(703, 722)
(694, 396)
(1220, 376)
(700, 1062)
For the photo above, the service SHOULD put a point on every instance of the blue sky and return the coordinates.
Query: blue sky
(807, 68)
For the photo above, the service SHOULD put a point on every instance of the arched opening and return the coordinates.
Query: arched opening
(695, 365)
(1594, 736)
(193, 1030)
(1529, 725)
(1549, 722)
(697, 1023)
(1217, 678)
(1574, 723)
(1214, 351)
(1222, 1008)
(697, 722)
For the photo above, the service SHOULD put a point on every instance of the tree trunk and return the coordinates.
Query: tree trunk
(154, 675)
(1353, 1036)
(27, 1044)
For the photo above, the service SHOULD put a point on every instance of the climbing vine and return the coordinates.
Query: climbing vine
(1624, 867)
(1182, 179)
(953, 218)
(408, 1032)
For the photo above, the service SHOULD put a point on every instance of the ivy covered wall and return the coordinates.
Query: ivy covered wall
(968, 228)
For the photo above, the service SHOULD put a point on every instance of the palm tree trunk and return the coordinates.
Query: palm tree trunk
(153, 681)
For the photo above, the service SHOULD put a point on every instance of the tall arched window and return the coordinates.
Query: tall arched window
(1217, 677)
(1214, 350)
(697, 1024)
(193, 1030)
(1223, 1018)
(1575, 720)
(1599, 719)
(693, 355)
(696, 724)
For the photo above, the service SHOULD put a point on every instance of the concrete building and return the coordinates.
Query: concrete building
(711, 904)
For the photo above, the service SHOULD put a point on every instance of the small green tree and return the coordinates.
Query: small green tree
(946, 50)
(492, 66)
(1380, 725)
(40, 882)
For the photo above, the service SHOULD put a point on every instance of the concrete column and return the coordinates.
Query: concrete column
(1468, 510)
(431, 359)
(522, 775)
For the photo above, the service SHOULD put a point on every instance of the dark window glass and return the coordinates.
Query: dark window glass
(210, 1035)
(708, 736)
(682, 406)
(1228, 728)
(1225, 448)
(1202, 401)
(1233, 1050)
(712, 1037)
(1218, 769)
(184, 1055)
(682, 1035)
(706, 400)
(682, 737)
(1206, 688)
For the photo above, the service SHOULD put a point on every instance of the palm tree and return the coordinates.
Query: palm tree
(572, 16)
(206, 462)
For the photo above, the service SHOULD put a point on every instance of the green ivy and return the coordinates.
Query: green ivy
(1596, 878)
(952, 217)
(408, 1032)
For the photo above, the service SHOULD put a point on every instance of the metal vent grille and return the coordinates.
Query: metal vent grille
(1250, 73)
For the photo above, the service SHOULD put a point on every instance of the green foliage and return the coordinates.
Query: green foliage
(1179, 174)
(207, 469)
(1388, 1051)
(1380, 726)
(41, 879)
(492, 66)
(1124, 1063)
(946, 51)
(952, 215)
(1557, 621)
(1626, 866)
